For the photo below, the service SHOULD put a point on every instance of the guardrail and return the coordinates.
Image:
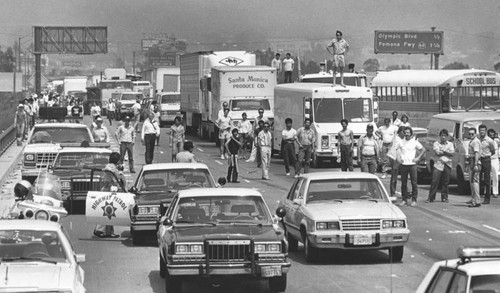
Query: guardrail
(7, 137)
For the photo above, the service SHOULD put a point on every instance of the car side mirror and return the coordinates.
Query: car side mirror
(133, 189)
(393, 198)
(50, 169)
(80, 258)
(222, 181)
(280, 212)
(168, 222)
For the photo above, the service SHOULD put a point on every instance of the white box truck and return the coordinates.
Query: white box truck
(246, 89)
(325, 105)
(75, 84)
(163, 79)
(196, 97)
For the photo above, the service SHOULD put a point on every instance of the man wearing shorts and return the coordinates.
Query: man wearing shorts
(340, 47)
(224, 124)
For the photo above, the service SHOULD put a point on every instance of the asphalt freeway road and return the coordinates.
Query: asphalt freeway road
(115, 265)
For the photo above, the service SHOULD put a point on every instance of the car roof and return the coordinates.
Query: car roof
(470, 116)
(60, 125)
(475, 267)
(173, 166)
(85, 150)
(30, 225)
(203, 192)
(338, 175)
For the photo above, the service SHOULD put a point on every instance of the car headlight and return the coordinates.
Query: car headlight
(188, 248)
(29, 157)
(267, 247)
(148, 210)
(387, 224)
(41, 215)
(327, 226)
(65, 185)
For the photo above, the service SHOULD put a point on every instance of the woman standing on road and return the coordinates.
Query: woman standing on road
(177, 137)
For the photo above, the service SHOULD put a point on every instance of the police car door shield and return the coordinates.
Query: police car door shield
(109, 208)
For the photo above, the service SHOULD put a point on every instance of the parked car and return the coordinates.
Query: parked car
(477, 269)
(220, 232)
(124, 103)
(37, 256)
(46, 140)
(79, 170)
(346, 211)
(155, 187)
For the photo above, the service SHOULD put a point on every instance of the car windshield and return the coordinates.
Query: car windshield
(485, 283)
(81, 160)
(174, 179)
(222, 209)
(329, 110)
(58, 135)
(345, 190)
(131, 97)
(31, 245)
(166, 99)
(250, 104)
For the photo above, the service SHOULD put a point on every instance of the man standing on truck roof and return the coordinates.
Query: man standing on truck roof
(288, 65)
(276, 63)
(340, 47)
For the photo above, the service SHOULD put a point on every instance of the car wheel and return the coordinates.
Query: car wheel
(396, 253)
(293, 244)
(463, 186)
(173, 284)
(277, 284)
(136, 239)
(311, 252)
(163, 267)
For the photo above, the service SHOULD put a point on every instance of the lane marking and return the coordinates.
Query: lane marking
(218, 162)
(458, 232)
(200, 150)
(247, 181)
(491, 228)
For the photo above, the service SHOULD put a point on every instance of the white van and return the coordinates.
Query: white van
(458, 125)
(170, 106)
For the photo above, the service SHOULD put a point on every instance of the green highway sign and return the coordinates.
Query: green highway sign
(408, 42)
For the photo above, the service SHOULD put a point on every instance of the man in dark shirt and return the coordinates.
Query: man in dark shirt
(233, 146)
(76, 111)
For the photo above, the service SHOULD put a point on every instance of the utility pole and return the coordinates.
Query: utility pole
(133, 62)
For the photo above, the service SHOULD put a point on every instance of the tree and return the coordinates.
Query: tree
(393, 67)
(7, 60)
(371, 64)
(456, 65)
(497, 66)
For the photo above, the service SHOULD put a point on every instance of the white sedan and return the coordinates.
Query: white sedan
(36, 256)
(340, 210)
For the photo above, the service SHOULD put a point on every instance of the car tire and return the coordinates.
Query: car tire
(173, 284)
(396, 253)
(163, 267)
(136, 239)
(310, 251)
(293, 244)
(278, 284)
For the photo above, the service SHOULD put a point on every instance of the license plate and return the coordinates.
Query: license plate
(271, 271)
(363, 240)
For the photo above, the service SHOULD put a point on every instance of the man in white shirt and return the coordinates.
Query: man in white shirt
(340, 47)
(100, 132)
(245, 130)
(276, 63)
(288, 139)
(150, 129)
(386, 132)
(136, 109)
(368, 151)
(393, 160)
(395, 120)
(110, 110)
(224, 125)
(288, 65)
(265, 139)
(408, 152)
(443, 150)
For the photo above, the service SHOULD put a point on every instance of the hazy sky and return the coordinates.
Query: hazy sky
(208, 20)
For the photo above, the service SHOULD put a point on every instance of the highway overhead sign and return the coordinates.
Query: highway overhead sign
(409, 42)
